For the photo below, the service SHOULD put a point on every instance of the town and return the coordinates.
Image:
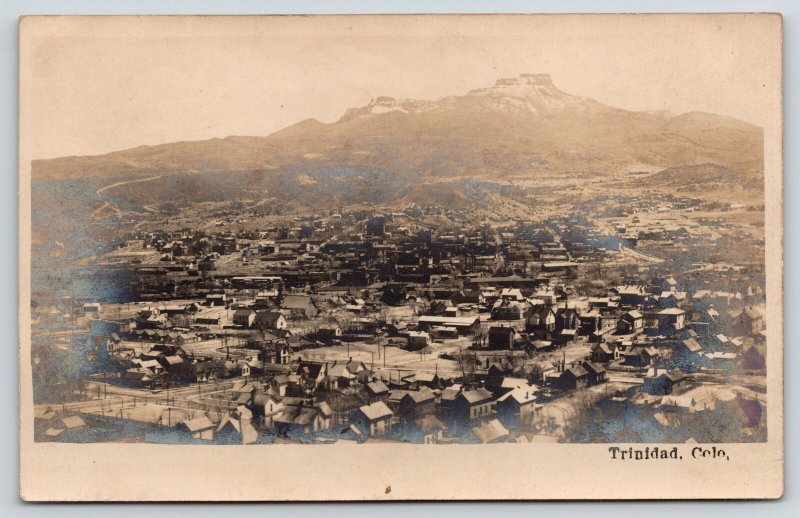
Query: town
(634, 320)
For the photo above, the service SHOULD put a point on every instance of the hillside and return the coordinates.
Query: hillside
(517, 127)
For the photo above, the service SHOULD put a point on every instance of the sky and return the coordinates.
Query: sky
(94, 85)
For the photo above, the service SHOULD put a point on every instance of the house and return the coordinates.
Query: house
(179, 369)
(69, 429)
(487, 433)
(517, 407)
(312, 374)
(270, 320)
(501, 337)
(377, 391)
(286, 384)
(506, 309)
(418, 340)
(244, 317)
(397, 329)
(566, 318)
(573, 378)
(540, 346)
(431, 380)
(749, 321)
(670, 320)
(206, 370)
(300, 306)
(669, 284)
(343, 373)
(664, 383)
(236, 429)
(603, 353)
(469, 405)
(672, 299)
(511, 294)
(638, 356)
(595, 373)
(264, 406)
(631, 322)
(252, 367)
(541, 322)
(590, 322)
(416, 403)
(374, 420)
(339, 376)
(199, 428)
(302, 417)
(276, 352)
(152, 365)
(688, 347)
(425, 430)
(632, 295)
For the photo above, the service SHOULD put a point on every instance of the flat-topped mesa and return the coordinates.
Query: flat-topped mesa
(522, 86)
(527, 79)
(384, 104)
(384, 101)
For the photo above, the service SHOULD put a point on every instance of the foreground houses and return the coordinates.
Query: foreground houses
(401, 327)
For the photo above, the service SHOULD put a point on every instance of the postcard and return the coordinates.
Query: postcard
(401, 257)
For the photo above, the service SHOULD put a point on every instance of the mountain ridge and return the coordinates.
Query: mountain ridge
(515, 127)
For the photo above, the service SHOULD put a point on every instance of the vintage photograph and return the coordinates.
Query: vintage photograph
(402, 230)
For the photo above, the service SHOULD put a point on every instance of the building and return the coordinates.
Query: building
(671, 320)
(374, 420)
(501, 337)
(488, 432)
(199, 428)
(416, 404)
(470, 405)
(664, 383)
(300, 306)
(517, 407)
(377, 391)
(631, 322)
(418, 340)
(244, 317)
(272, 320)
(302, 417)
(749, 321)
(464, 325)
(572, 378)
(595, 373)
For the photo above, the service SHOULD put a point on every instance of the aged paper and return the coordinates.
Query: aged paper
(401, 257)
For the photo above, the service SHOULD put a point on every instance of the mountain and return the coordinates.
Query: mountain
(517, 127)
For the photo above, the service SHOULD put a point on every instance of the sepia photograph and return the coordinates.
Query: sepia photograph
(549, 240)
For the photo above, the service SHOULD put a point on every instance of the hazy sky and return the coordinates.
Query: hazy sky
(90, 86)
